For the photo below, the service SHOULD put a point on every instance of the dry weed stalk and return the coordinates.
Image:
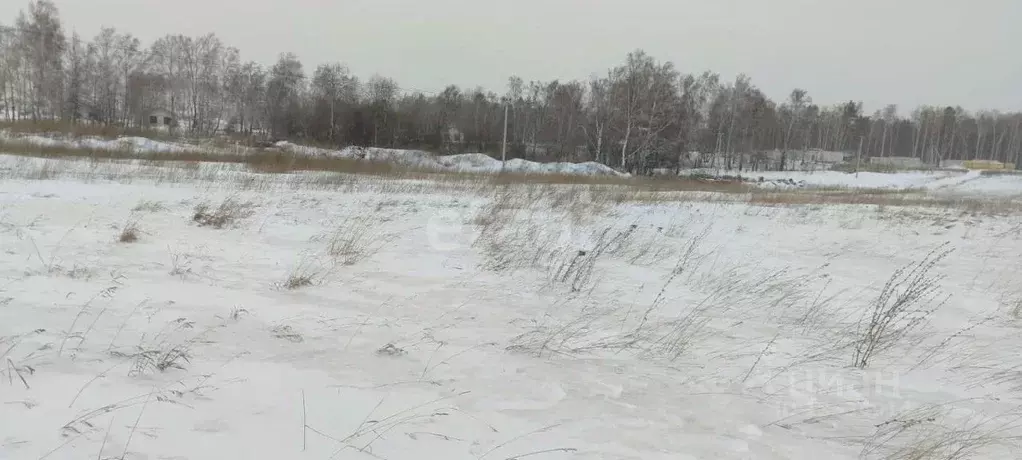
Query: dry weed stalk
(373, 428)
(576, 270)
(902, 306)
(927, 433)
(593, 329)
(499, 212)
(305, 273)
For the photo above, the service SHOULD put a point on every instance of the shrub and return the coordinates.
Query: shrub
(129, 233)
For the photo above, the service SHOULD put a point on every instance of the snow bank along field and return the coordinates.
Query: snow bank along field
(202, 312)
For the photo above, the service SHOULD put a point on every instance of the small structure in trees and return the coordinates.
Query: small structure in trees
(86, 113)
(159, 118)
(454, 135)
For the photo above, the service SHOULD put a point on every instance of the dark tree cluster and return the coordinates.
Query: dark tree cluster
(641, 114)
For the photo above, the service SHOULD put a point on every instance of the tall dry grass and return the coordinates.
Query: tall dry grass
(904, 304)
(930, 432)
(75, 130)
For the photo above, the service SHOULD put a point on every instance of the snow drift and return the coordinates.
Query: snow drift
(132, 143)
(465, 162)
(468, 162)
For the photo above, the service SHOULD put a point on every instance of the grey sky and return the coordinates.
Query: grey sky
(908, 52)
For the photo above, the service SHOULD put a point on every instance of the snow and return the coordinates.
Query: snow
(423, 348)
(469, 163)
(466, 162)
(137, 144)
(992, 185)
(870, 180)
(305, 149)
(142, 144)
(478, 162)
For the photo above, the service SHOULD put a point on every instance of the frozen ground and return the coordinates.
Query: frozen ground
(392, 320)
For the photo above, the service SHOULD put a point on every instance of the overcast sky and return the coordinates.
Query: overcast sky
(907, 52)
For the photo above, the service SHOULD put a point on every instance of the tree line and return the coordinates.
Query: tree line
(641, 114)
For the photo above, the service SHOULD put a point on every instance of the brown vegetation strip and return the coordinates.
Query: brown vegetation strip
(282, 162)
(619, 189)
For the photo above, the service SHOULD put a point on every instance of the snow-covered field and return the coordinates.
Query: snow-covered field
(399, 320)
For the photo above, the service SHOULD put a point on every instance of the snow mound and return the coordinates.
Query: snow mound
(133, 143)
(591, 168)
(143, 144)
(405, 157)
(397, 156)
(305, 150)
(465, 162)
(782, 183)
(478, 162)
(470, 162)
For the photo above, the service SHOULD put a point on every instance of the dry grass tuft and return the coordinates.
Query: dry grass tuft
(356, 239)
(285, 332)
(147, 361)
(298, 279)
(307, 272)
(227, 213)
(148, 206)
(129, 233)
(164, 352)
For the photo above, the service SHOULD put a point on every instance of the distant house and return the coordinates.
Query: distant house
(87, 114)
(162, 119)
(454, 135)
